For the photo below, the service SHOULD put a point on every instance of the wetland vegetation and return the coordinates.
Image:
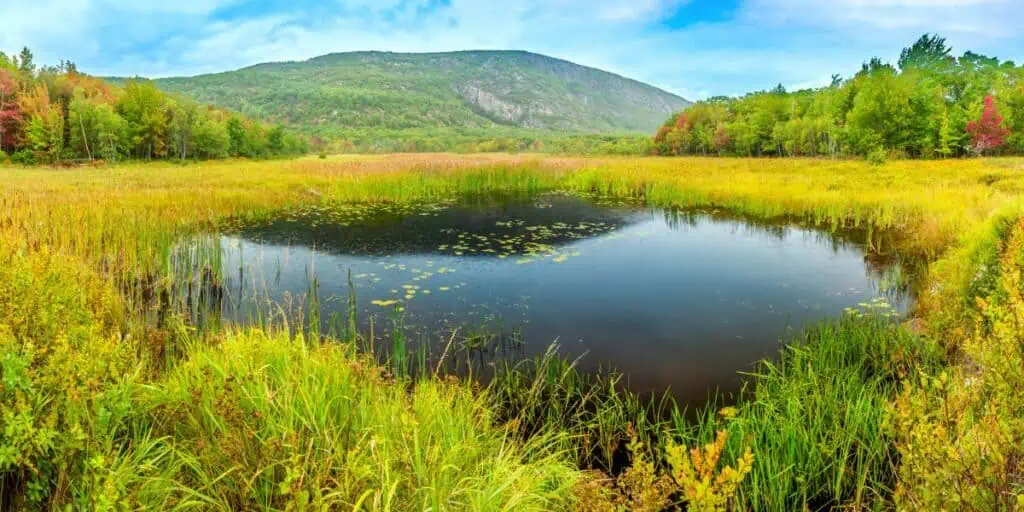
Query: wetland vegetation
(116, 396)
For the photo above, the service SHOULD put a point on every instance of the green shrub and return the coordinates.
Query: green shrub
(877, 157)
(23, 157)
(64, 381)
(960, 432)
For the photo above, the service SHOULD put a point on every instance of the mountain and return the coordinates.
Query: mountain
(470, 90)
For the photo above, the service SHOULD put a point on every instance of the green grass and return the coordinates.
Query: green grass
(817, 416)
(265, 421)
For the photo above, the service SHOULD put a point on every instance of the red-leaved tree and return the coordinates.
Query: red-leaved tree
(682, 122)
(721, 140)
(9, 112)
(662, 133)
(987, 133)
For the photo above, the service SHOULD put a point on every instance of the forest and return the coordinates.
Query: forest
(929, 105)
(496, 139)
(57, 115)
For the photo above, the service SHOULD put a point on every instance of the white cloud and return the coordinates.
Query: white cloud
(796, 42)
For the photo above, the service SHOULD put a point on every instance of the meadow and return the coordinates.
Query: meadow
(110, 398)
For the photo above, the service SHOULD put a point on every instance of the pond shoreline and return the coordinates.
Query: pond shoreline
(505, 277)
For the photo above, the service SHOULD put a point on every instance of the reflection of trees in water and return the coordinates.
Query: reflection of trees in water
(895, 276)
(381, 229)
(775, 229)
(423, 229)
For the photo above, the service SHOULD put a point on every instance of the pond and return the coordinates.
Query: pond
(676, 300)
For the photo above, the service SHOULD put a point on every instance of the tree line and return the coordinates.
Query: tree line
(929, 105)
(481, 140)
(56, 114)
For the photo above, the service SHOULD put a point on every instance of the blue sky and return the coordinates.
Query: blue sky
(695, 48)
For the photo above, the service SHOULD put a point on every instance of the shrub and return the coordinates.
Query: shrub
(23, 157)
(694, 474)
(877, 157)
(960, 432)
(64, 386)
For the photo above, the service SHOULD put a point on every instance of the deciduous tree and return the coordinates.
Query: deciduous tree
(10, 114)
(919, 109)
(143, 107)
(987, 132)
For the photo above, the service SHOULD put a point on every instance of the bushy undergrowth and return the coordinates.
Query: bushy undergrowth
(960, 432)
(64, 380)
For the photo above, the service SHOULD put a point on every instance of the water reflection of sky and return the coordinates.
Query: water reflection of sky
(672, 301)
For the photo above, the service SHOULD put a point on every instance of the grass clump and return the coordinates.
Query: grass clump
(817, 417)
(816, 420)
(260, 421)
(251, 420)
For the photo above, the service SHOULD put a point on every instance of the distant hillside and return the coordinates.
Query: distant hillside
(471, 90)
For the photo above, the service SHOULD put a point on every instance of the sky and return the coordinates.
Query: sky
(695, 48)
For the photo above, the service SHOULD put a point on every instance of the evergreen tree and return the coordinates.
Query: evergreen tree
(928, 52)
(26, 63)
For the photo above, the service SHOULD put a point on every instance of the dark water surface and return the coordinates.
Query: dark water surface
(675, 300)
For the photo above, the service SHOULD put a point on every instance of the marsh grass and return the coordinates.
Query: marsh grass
(816, 417)
(267, 421)
(113, 396)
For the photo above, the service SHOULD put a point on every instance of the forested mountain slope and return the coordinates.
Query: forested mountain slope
(340, 93)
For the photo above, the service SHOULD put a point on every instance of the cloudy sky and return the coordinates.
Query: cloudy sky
(695, 48)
